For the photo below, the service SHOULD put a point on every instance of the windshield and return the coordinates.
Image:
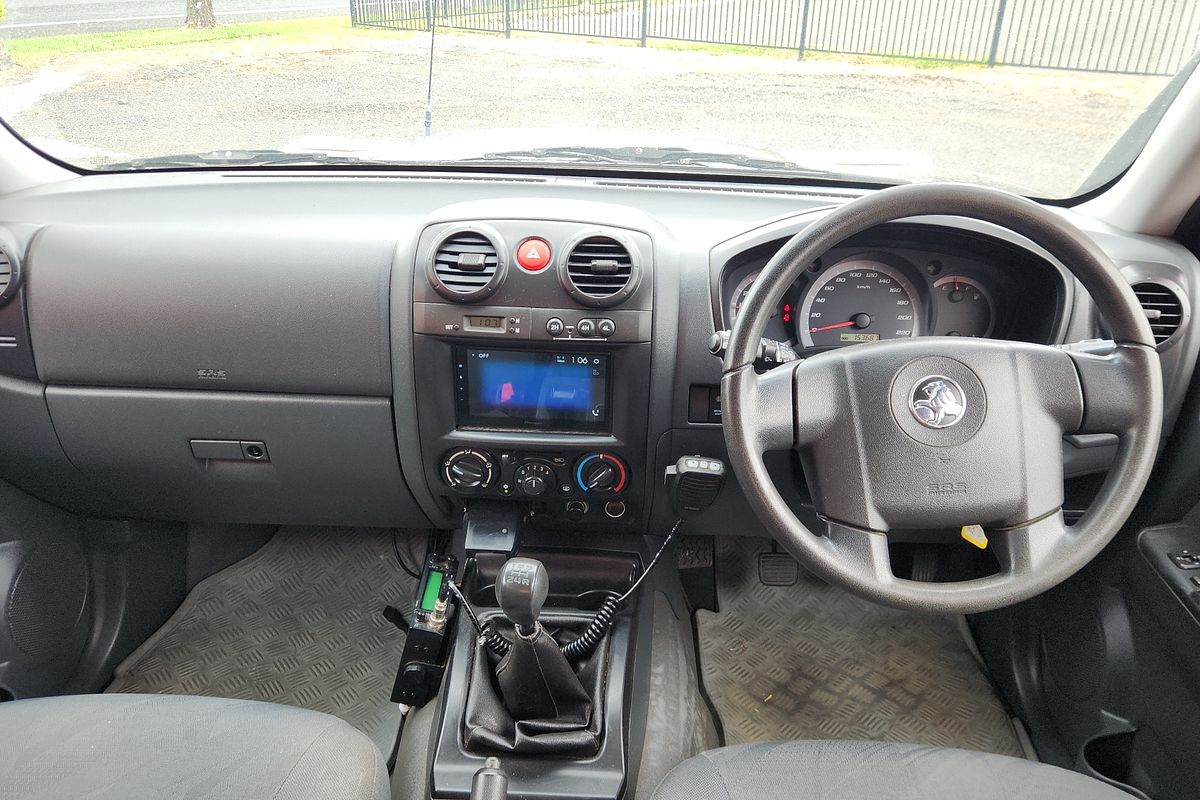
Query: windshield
(1050, 98)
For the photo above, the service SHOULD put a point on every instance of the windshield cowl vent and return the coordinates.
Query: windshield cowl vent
(1164, 309)
(600, 270)
(467, 265)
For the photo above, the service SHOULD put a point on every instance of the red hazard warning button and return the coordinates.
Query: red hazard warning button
(533, 254)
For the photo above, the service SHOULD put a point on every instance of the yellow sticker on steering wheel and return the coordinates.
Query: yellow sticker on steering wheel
(975, 535)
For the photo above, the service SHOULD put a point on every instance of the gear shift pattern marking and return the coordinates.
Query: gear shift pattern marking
(521, 589)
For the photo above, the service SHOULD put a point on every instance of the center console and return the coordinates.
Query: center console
(531, 345)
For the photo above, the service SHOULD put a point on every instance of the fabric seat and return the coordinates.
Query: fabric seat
(163, 747)
(833, 770)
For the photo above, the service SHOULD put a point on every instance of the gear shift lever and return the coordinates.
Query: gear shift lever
(521, 589)
(536, 680)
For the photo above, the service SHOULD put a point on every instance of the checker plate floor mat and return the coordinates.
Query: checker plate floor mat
(813, 662)
(298, 622)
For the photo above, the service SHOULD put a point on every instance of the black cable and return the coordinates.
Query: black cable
(400, 558)
(586, 642)
(492, 638)
(583, 644)
(653, 561)
(454, 590)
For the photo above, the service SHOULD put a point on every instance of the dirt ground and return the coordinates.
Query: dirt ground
(1040, 131)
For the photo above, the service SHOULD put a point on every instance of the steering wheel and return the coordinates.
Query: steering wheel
(941, 432)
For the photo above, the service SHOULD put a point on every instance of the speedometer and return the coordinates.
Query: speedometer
(858, 300)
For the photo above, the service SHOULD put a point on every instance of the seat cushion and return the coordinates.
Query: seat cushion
(170, 747)
(832, 770)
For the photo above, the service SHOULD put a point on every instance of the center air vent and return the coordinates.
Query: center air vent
(467, 266)
(599, 271)
(1163, 308)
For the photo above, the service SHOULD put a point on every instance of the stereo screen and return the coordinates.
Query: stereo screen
(520, 389)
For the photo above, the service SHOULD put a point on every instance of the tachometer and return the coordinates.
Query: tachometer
(783, 313)
(739, 296)
(858, 300)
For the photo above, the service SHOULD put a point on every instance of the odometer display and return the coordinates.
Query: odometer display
(858, 300)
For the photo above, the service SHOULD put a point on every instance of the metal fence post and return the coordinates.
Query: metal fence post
(995, 49)
(645, 20)
(353, 13)
(507, 19)
(803, 30)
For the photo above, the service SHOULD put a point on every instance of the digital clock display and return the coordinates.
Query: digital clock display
(476, 322)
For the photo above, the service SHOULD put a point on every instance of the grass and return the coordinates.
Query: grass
(37, 50)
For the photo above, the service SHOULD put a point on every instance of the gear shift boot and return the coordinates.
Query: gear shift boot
(575, 725)
(537, 682)
(541, 704)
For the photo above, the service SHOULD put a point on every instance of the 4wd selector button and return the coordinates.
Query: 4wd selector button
(586, 327)
(606, 327)
(555, 326)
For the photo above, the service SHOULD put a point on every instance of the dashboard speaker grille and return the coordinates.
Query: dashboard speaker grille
(1163, 308)
(466, 266)
(46, 598)
(600, 270)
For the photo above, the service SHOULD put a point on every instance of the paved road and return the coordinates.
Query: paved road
(48, 17)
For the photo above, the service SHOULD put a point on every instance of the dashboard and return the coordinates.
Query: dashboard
(391, 349)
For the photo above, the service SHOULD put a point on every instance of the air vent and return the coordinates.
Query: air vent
(1163, 308)
(600, 271)
(8, 277)
(466, 266)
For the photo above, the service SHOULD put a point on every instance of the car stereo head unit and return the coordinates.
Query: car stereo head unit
(518, 390)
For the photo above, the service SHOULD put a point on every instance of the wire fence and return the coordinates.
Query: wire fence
(1142, 37)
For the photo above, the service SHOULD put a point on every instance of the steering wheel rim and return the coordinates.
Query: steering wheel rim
(1012, 389)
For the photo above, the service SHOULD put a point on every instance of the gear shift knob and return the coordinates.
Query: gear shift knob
(521, 589)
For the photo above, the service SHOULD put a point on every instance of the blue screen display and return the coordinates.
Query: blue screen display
(508, 384)
(504, 388)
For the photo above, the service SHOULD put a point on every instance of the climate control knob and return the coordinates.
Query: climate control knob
(601, 473)
(468, 469)
(534, 478)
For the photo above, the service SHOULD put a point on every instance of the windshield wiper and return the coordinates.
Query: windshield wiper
(234, 158)
(651, 157)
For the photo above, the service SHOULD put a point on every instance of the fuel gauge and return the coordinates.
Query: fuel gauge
(963, 307)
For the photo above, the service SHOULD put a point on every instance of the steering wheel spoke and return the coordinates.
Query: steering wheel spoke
(1113, 387)
(864, 552)
(770, 402)
(1027, 549)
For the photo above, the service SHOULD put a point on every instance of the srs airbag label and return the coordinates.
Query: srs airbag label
(939, 489)
(212, 374)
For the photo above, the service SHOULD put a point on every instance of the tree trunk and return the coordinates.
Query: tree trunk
(200, 14)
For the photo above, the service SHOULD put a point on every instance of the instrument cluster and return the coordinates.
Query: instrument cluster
(889, 287)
